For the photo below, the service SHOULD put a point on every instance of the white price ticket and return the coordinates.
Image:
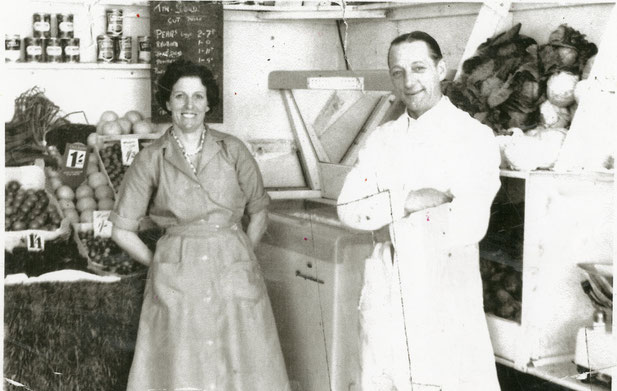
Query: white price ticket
(101, 224)
(130, 148)
(34, 242)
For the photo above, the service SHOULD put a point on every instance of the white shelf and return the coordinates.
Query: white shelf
(75, 65)
(607, 176)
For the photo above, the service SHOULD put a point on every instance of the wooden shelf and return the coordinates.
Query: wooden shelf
(75, 66)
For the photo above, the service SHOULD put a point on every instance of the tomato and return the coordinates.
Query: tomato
(13, 185)
(25, 208)
(18, 225)
(8, 210)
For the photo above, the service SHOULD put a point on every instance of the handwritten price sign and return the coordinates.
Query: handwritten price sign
(130, 148)
(101, 224)
(34, 242)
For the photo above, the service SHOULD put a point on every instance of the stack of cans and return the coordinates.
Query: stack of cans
(114, 46)
(43, 46)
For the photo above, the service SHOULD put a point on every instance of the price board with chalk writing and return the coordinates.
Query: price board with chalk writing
(192, 30)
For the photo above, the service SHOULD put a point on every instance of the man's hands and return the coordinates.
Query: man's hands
(424, 199)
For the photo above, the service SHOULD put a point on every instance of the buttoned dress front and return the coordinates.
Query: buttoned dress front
(435, 335)
(206, 321)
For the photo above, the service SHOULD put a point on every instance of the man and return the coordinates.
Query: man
(431, 176)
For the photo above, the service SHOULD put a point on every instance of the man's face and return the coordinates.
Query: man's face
(416, 76)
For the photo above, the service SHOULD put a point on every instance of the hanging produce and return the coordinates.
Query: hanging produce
(25, 135)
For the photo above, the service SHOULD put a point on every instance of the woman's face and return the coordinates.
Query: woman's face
(188, 104)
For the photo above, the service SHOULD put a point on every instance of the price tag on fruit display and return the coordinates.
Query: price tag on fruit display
(100, 223)
(75, 160)
(130, 148)
(34, 242)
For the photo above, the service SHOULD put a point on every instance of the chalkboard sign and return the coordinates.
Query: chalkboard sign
(192, 30)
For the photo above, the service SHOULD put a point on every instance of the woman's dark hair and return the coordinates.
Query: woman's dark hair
(433, 46)
(184, 68)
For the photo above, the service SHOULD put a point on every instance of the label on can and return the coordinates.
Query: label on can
(106, 48)
(71, 50)
(42, 26)
(33, 50)
(114, 22)
(125, 49)
(66, 27)
(144, 49)
(53, 50)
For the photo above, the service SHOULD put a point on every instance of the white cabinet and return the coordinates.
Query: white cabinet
(314, 271)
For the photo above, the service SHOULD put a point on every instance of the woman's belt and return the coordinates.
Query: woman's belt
(200, 228)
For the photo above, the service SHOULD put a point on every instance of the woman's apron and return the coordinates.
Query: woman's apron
(206, 321)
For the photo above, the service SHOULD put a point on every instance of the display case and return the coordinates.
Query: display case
(542, 225)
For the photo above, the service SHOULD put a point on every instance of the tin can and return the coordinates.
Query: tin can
(143, 47)
(125, 49)
(12, 48)
(70, 49)
(106, 50)
(35, 49)
(53, 50)
(66, 28)
(114, 22)
(41, 25)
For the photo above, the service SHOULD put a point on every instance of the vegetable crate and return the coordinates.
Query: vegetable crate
(31, 179)
(105, 257)
(542, 225)
(109, 151)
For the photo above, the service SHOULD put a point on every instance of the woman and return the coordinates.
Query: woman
(206, 321)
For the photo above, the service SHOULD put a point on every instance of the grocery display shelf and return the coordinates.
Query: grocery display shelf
(562, 372)
(75, 65)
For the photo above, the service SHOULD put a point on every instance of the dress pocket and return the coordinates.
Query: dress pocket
(168, 250)
(243, 280)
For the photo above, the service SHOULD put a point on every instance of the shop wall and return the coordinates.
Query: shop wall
(253, 48)
(451, 25)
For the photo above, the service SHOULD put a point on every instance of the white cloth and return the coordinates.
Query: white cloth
(436, 250)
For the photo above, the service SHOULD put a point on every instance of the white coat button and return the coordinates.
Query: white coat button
(208, 299)
(212, 386)
(210, 342)
(204, 258)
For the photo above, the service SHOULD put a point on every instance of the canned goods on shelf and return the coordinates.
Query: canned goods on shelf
(41, 25)
(143, 43)
(114, 22)
(106, 50)
(66, 28)
(70, 48)
(12, 48)
(35, 49)
(53, 50)
(125, 49)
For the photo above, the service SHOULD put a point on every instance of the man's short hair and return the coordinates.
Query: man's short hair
(433, 46)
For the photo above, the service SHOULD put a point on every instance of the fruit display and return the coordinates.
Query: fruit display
(106, 256)
(133, 122)
(111, 156)
(93, 194)
(29, 209)
(502, 289)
